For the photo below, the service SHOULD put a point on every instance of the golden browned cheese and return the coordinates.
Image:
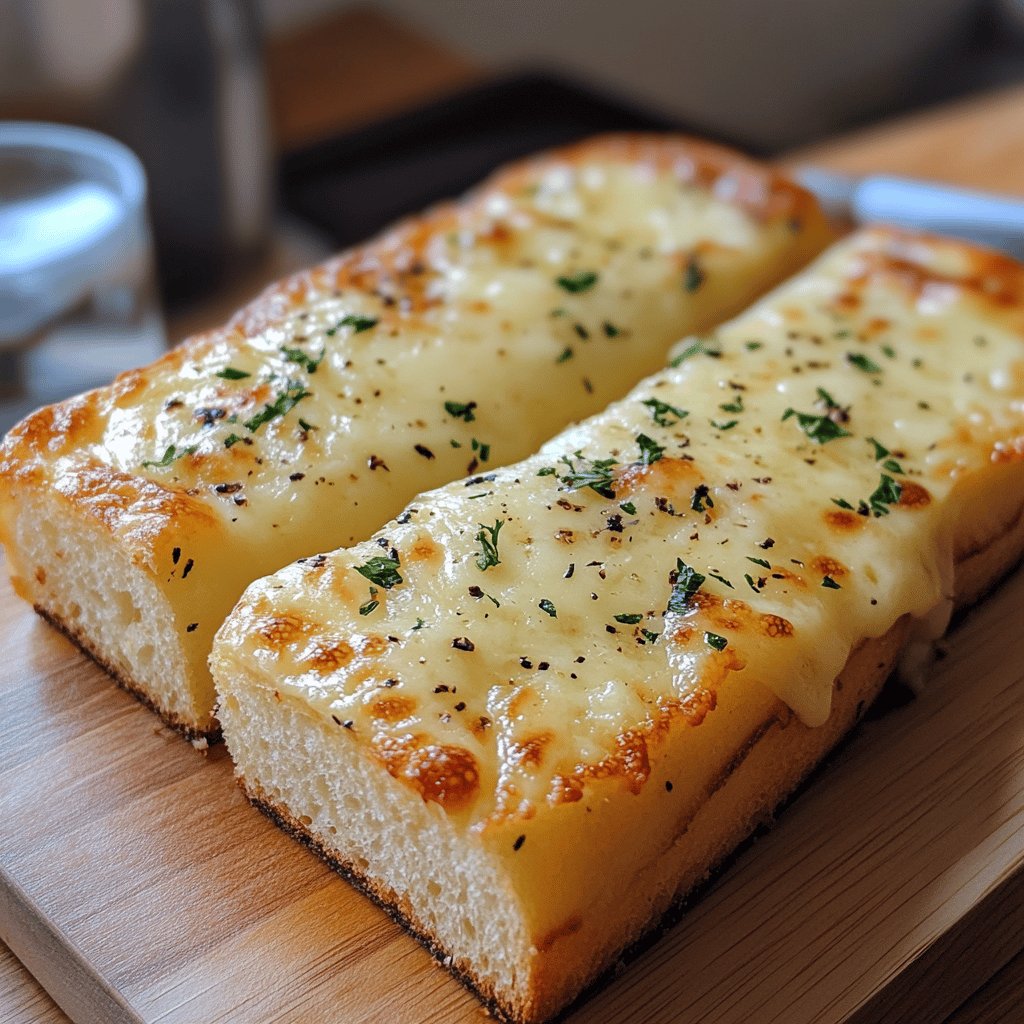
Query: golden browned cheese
(527, 649)
(455, 343)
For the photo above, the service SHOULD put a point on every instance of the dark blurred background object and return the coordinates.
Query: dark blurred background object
(181, 83)
(373, 111)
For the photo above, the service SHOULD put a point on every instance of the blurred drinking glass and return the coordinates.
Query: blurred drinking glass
(77, 296)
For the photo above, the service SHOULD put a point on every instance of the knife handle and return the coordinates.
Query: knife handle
(992, 220)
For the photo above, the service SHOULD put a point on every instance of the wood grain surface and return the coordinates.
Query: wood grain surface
(137, 884)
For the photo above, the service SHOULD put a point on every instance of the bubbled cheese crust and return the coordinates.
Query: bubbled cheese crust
(457, 342)
(578, 647)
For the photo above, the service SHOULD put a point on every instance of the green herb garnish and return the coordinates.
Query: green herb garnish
(581, 281)
(759, 561)
(296, 355)
(862, 362)
(546, 606)
(596, 474)
(734, 406)
(284, 402)
(487, 538)
(693, 276)
(685, 581)
(821, 429)
(629, 508)
(365, 609)
(714, 640)
(661, 411)
(701, 346)
(629, 619)
(461, 410)
(382, 571)
(171, 454)
(354, 320)
(886, 493)
(650, 450)
(230, 373)
(830, 583)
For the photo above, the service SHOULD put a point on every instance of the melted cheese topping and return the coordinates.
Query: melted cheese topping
(789, 487)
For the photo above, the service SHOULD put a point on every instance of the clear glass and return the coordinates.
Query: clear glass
(77, 296)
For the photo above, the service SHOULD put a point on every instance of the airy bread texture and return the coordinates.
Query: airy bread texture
(533, 713)
(135, 515)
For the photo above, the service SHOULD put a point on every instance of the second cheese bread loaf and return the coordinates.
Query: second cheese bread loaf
(533, 712)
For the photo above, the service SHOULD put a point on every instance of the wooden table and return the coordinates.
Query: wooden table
(978, 142)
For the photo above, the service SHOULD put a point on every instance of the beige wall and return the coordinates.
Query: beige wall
(764, 70)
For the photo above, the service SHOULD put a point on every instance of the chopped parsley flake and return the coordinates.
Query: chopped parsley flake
(714, 640)
(284, 402)
(759, 561)
(650, 450)
(487, 538)
(610, 330)
(886, 493)
(578, 282)
(382, 571)
(230, 440)
(354, 320)
(296, 355)
(649, 636)
(565, 355)
(306, 427)
(721, 579)
(629, 508)
(693, 276)
(230, 373)
(881, 452)
(685, 581)
(700, 346)
(629, 619)
(821, 429)
(483, 450)
(750, 583)
(461, 410)
(734, 406)
(546, 606)
(841, 503)
(365, 609)
(753, 346)
(546, 471)
(596, 474)
(862, 362)
(728, 425)
(171, 454)
(419, 623)
(830, 583)
(662, 411)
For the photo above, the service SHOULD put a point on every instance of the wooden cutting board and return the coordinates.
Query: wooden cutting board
(137, 884)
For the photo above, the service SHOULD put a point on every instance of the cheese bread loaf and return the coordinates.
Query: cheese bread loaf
(537, 708)
(134, 515)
